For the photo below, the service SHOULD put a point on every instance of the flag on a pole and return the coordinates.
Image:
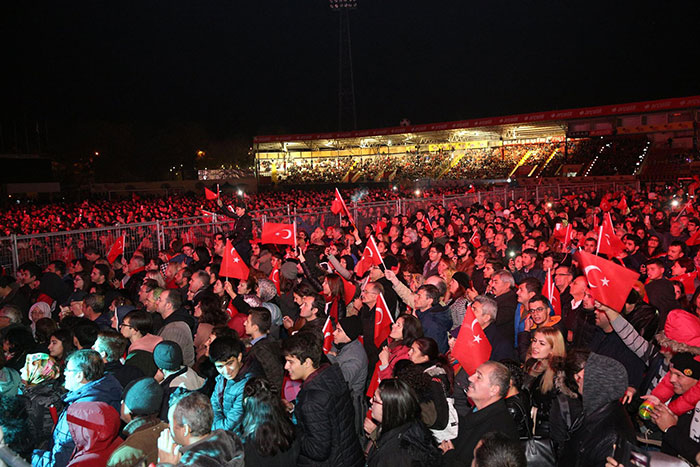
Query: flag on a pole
(610, 283)
(475, 240)
(338, 207)
(116, 249)
(210, 195)
(280, 234)
(275, 278)
(563, 234)
(550, 291)
(370, 257)
(232, 265)
(609, 243)
(382, 321)
(472, 348)
(327, 336)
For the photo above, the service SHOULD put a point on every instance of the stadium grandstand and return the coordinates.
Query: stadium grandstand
(654, 140)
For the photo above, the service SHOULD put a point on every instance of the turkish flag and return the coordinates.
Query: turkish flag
(374, 382)
(210, 195)
(605, 205)
(694, 239)
(370, 257)
(275, 277)
(117, 249)
(338, 207)
(382, 321)
(475, 240)
(550, 291)
(471, 189)
(610, 283)
(232, 265)
(472, 348)
(281, 234)
(688, 281)
(563, 234)
(622, 205)
(327, 335)
(609, 243)
(379, 226)
(348, 290)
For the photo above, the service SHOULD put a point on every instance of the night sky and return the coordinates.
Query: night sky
(270, 66)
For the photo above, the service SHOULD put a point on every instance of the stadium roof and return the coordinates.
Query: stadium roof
(522, 126)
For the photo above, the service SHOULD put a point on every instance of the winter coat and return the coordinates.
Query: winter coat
(268, 353)
(325, 418)
(519, 408)
(141, 442)
(38, 399)
(436, 322)
(94, 427)
(178, 328)
(186, 379)
(396, 353)
(9, 382)
(352, 360)
(125, 374)
(106, 389)
(220, 449)
(474, 426)
(282, 459)
(227, 402)
(604, 419)
(409, 445)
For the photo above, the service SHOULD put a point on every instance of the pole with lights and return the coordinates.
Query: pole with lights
(346, 80)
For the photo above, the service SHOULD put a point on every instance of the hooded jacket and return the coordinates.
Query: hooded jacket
(681, 334)
(106, 389)
(141, 442)
(39, 398)
(604, 419)
(94, 427)
(326, 421)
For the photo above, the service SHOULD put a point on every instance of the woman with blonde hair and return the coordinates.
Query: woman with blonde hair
(545, 358)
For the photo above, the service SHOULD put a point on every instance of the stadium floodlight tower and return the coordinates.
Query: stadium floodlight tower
(346, 82)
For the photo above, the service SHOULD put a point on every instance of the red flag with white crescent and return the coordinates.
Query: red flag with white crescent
(370, 257)
(117, 249)
(232, 265)
(374, 381)
(472, 348)
(382, 321)
(563, 234)
(275, 278)
(609, 243)
(610, 283)
(338, 207)
(280, 234)
(327, 335)
(550, 291)
(475, 240)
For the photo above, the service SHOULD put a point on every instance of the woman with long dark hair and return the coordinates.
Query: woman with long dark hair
(266, 430)
(334, 292)
(424, 354)
(61, 345)
(404, 332)
(208, 313)
(403, 440)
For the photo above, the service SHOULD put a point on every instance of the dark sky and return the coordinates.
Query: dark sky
(270, 66)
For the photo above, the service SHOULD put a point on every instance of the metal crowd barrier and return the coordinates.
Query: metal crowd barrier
(152, 237)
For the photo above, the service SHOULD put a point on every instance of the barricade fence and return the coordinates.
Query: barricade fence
(153, 237)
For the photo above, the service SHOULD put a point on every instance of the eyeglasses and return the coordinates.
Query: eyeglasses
(124, 325)
(375, 401)
(538, 309)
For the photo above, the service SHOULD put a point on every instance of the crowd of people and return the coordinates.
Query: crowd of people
(181, 358)
(615, 155)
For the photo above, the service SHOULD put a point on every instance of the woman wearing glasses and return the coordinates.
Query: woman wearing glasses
(403, 439)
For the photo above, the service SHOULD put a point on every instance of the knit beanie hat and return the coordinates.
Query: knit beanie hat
(168, 356)
(687, 363)
(352, 325)
(143, 396)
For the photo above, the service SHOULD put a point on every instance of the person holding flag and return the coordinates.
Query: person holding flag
(349, 353)
(242, 232)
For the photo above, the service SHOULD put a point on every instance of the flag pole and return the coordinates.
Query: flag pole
(295, 234)
(600, 238)
(371, 237)
(218, 192)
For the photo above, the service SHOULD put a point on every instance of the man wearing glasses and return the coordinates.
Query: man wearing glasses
(85, 381)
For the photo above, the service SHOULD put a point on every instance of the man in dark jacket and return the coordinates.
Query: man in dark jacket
(435, 318)
(660, 290)
(502, 286)
(242, 232)
(324, 410)
(177, 324)
(85, 381)
(111, 346)
(601, 382)
(488, 386)
(485, 309)
(264, 349)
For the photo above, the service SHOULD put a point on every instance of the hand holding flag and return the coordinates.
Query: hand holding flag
(116, 249)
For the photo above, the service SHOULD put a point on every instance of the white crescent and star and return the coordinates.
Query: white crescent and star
(286, 237)
(381, 315)
(604, 281)
(477, 338)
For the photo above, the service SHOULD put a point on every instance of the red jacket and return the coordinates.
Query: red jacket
(94, 427)
(400, 352)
